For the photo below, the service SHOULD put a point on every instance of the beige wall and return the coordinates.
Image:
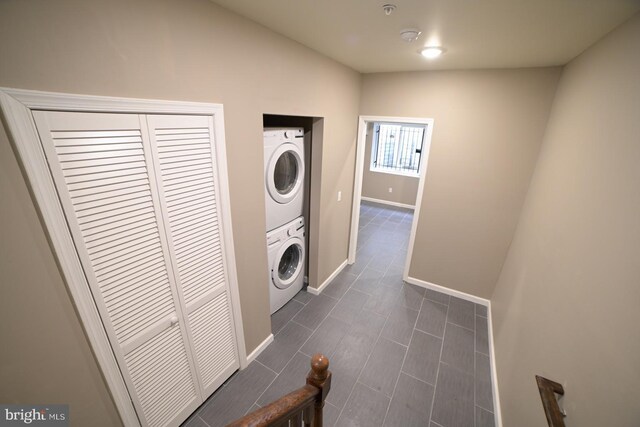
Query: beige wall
(376, 184)
(189, 50)
(488, 126)
(566, 304)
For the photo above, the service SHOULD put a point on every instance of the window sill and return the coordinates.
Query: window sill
(395, 172)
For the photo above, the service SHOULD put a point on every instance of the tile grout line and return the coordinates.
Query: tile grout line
(256, 360)
(413, 330)
(475, 362)
(418, 379)
(202, 419)
(435, 387)
(464, 327)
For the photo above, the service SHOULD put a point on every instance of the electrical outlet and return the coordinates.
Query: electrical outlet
(339, 195)
(390, 189)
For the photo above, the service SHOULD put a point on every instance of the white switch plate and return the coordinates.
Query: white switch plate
(390, 190)
(339, 195)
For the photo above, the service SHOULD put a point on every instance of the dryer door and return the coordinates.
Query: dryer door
(285, 173)
(288, 263)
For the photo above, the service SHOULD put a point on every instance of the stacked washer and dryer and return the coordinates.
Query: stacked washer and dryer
(284, 202)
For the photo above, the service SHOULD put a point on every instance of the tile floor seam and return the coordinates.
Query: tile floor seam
(299, 324)
(475, 362)
(256, 359)
(413, 330)
(437, 302)
(202, 419)
(435, 387)
(463, 327)
(429, 333)
(416, 378)
(396, 342)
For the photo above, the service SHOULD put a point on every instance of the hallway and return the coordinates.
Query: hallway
(400, 355)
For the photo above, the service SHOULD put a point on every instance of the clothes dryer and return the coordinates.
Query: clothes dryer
(284, 175)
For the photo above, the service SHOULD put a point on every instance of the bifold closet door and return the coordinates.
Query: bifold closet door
(103, 171)
(185, 162)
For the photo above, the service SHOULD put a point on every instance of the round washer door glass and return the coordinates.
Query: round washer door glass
(287, 265)
(285, 175)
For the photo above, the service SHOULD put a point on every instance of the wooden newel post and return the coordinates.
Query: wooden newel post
(319, 377)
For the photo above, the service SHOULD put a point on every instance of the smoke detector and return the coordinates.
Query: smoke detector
(389, 8)
(410, 34)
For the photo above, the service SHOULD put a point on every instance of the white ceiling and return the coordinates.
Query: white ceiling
(475, 33)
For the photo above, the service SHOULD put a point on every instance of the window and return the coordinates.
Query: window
(397, 148)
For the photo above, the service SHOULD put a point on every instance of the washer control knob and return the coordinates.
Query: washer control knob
(290, 232)
(287, 134)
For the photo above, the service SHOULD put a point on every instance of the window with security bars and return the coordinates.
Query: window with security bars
(397, 148)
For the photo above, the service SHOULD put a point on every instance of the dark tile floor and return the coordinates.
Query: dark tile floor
(400, 355)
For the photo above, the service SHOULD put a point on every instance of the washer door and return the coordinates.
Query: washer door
(285, 173)
(287, 265)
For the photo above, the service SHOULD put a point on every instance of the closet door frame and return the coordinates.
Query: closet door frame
(17, 105)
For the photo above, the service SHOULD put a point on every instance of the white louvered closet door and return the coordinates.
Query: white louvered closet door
(185, 162)
(103, 170)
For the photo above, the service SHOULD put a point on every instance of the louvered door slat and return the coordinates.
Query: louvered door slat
(114, 229)
(103, 170)
(172, 173)
(113, 168)
(107, 177)
(102, 193)
(187, 178)
(122, 215)
(193, 144)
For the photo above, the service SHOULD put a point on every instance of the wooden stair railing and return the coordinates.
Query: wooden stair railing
(548, 390)
(302, 405)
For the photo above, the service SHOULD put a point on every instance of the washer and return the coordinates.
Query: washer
(284, 175)
(286, 256)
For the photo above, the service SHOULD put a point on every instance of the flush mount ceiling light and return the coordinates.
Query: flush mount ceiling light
(432, 52)
(410, 34)
(389, 8)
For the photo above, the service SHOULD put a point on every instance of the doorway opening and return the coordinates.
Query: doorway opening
(391, 163)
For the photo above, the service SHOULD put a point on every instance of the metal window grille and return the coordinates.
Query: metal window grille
(397, 148)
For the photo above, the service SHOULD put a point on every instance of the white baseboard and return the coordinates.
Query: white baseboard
(263, 345)
(319, 289)
(448, 291)
(481, 301)
(387, 202)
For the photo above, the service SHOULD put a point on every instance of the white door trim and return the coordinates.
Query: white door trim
(16, 106)
(357, 185)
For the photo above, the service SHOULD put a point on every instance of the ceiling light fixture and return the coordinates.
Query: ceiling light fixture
(389, 8)
(431, 52)
(410, 34)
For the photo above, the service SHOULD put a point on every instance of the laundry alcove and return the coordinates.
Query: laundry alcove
(314, 132)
